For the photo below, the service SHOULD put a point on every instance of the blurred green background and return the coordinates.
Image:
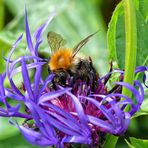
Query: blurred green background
(75, 20)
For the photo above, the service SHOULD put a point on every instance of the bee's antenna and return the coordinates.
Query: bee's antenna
(81, 44)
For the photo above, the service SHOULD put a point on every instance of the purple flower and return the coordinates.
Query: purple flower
(75, 114)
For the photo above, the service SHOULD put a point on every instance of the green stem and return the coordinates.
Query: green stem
(131, 44)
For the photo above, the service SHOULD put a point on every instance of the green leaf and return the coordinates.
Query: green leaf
(143, 110)
(110, 141)
(140, 113)
(116, 34)
(17, 141)
(129, 144)
(139, 143)
(15, 9)
(1, 14)
(144, 106)
(7, 129)
(111, 33)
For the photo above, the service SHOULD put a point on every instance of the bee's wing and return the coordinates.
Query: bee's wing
(81, 44)
(55, 41)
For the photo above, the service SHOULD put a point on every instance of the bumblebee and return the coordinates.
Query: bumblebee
(67, 64)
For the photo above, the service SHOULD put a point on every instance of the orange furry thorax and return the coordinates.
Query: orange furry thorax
(61, 59)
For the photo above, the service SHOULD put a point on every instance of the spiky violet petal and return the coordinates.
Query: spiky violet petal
(36, 138)
(76, 139)
(13, 96)
(101, 107)
(137, 70)
(144, 80)
(117, 121)
(74, 129)
(141, 69)
(70, 121)
(2, 110)
(26, 58)
(7, 65)
(114, 71)
(6, 59)
(46, 82)
(52, 95)
(26, 80)
(58, 123)
(100, 123)
(113, 102)
(63, 128)
(13, 110)
(79, 109)
(40, 31)
(41, 120)
(2, 91)
(18, 60)
(28, 66)
(54, 122)
(138, 96)
(137, 83)
(17, 114)
(122, 120)
(110, 98)
(4, 115)
(28, 36)
(115, 107)
(127, 101)
(125, 120)
(37, 46)
(131, 88)
(64, 114)
(81, 114)
(37, 82)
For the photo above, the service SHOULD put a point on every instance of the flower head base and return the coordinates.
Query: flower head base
(75, 113)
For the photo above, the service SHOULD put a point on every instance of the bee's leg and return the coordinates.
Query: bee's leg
(49, 71)
(54, 84)
(73, 80)
(107, 78)
(62, 76)
(93, 76)
(116, 88)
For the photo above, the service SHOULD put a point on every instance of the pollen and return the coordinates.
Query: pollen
(61, 59)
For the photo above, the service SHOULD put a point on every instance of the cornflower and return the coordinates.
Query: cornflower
(76, 113)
